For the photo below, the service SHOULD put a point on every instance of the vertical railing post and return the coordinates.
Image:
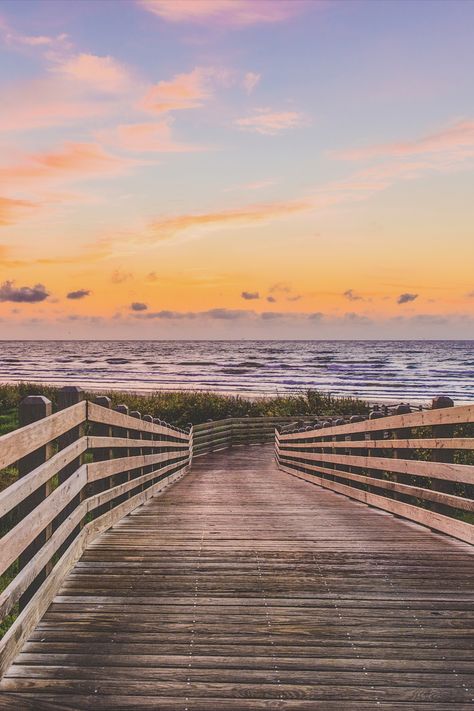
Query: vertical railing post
(102, 454)
(148, 436)
(31, 409)
(136, 451)
(191, 442)
(440, 454)
(67, 397)
(123, 452)
(157, 449)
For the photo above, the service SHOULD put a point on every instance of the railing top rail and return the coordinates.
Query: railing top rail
(104, 415)
(462, 414)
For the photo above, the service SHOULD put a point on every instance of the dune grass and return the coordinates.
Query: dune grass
(182, 407)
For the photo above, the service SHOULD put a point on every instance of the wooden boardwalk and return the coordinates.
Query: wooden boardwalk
(243, 587)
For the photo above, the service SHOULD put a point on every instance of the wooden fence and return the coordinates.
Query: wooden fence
(80, 471)
(218, 434)
(416, 465)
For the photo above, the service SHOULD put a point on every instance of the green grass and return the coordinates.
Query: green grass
(182, 408)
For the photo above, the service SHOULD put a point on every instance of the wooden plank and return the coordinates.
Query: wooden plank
(13, 640)
(244, 588)
(19, 443)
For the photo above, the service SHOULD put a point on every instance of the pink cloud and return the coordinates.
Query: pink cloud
(16, 40)
(225, 12)
(10, 211)
(457, 137)
(102, 73)
(183, 91)
(46, 102)
(168, 227)
(250, 81)
(144, 137)
(72, 160)
(270, 122)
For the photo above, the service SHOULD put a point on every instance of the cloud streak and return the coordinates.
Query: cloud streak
(70, 161)
(270, 123)
(457, 137)
(169, 227)
(230, 13)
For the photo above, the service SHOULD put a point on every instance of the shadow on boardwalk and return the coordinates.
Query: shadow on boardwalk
(245, 588)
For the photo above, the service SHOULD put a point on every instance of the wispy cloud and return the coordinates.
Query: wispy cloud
(250, 81)
(233, 13)
(11, 210)
(101, 73)
(156, 137)
(119, 276)
(184, 91)
(169, 227)
(351, 295)
(250, 295)
(71, 160)
(270, 123)
(457, 137)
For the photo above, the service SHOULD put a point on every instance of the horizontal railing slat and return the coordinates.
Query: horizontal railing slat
(20, 489)
(18, 538)
(425, 517)
(443, 443)
(19, 443)
(457, 502)
(96, 442)
(464, 414)
(103, 415)
(437, 470)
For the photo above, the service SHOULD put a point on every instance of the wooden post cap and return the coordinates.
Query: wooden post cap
(402, 409)
(70, 395)
(136, 414)
(103, 401)
(33, 408)
(356, 418)
(375, 415)
(441, 401)
(122, 408)
(147, 418)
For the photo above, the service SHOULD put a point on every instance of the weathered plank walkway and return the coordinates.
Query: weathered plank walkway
(243, 587)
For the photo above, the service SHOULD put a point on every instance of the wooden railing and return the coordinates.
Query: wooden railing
(416, 465)
(80, 470)
(214, 435)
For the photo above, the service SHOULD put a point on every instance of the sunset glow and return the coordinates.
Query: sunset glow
(236, 169)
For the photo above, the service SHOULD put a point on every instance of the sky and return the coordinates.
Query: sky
(174, 169)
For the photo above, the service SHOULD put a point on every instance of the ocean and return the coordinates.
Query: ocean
(386, 371)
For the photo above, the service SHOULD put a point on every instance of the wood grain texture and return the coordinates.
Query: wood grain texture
(243, 588)
(21, 442)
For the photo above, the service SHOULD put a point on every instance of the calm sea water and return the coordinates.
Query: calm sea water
(379, 370)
